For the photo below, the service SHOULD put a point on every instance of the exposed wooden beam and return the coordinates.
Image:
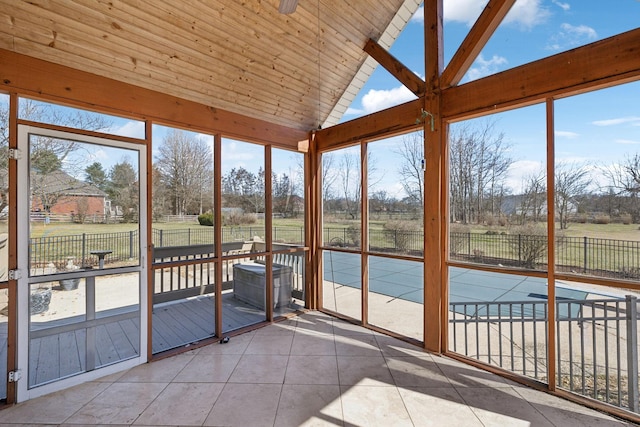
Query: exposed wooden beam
(58, 83)
(600, 64)
(482, 30)
(384, 123)
(435, 287)
(395, 67)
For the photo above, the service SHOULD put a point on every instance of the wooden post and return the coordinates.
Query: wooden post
(433, 192)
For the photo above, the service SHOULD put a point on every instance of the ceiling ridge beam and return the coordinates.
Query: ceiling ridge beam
(472, 45)
(396, 68)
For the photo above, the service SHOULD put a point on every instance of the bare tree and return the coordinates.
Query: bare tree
(478, 165)
(185, 165)
(571, 181)
(534, 197)
(624, 180)
(411, 170)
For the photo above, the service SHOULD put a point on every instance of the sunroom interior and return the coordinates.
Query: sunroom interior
(177, 173)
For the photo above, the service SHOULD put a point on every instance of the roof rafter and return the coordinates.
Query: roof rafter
(470, 48)
(397, 69)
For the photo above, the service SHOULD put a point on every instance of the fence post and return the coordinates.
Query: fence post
(584, 249)
(519, 249)
(469, 243)
(160, 239)
(632, 352)
(189, 236)
(84, 248)
(130, 244)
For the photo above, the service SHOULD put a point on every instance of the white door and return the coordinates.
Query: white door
(82, 243)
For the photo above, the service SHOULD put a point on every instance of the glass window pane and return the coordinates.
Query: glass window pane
(341, 198)
(288, 198)
(396, 296)
(183, 235)
(342, 283)
(396, 194)
(84, 208)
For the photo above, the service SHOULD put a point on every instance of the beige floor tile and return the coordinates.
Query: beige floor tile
(181, 404)
(312, 370)
(390, 346)
(340, 327)
(260, 369)
(364, 370)
(435, 407)
(245, 405)
(312, 324)
(283, 327)
(160, 371)
(461, 375)
(317, 344)
(564, 413)
(270, 344)
(416, 372)
(55, 407)
(357, 345)
(502, 407)
(208, 368)
(309, 406)
(236, 345)
(373, 406)
(120, 403)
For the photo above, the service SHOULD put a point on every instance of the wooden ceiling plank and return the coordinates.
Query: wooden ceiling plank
(79, 87)
(397, 69)
(472, 45)
(102, 53)
(599, 64)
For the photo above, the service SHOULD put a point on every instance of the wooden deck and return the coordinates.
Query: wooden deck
(175, 324)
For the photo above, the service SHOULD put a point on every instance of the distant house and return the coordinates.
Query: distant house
(59, 193)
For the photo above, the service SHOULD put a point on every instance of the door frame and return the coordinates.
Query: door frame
(23, 285)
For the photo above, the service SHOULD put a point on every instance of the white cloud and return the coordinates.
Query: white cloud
(418, 16)
(519, 171)
(563, 6)
(526, 14)
(571, 35)
(626, 141)
(566, 134)
(134, 129)
(483, 67)
(634, 120)
(464, 11)
(376, 100)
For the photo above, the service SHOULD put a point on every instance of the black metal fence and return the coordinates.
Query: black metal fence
(581, 255)
(596, 343)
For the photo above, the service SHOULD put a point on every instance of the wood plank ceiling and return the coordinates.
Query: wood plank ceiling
(298, 70)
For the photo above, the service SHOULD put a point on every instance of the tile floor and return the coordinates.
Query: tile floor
(307, 371)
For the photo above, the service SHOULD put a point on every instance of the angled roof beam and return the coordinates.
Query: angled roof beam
(397, 69)
(482, 30)
(604, 63)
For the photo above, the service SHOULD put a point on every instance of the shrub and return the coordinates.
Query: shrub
(206, 219)
(353, 231)
(402, 233)
(625, 219)
(458, 238)
(602, 219)
(529, 244)
(237, 218)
